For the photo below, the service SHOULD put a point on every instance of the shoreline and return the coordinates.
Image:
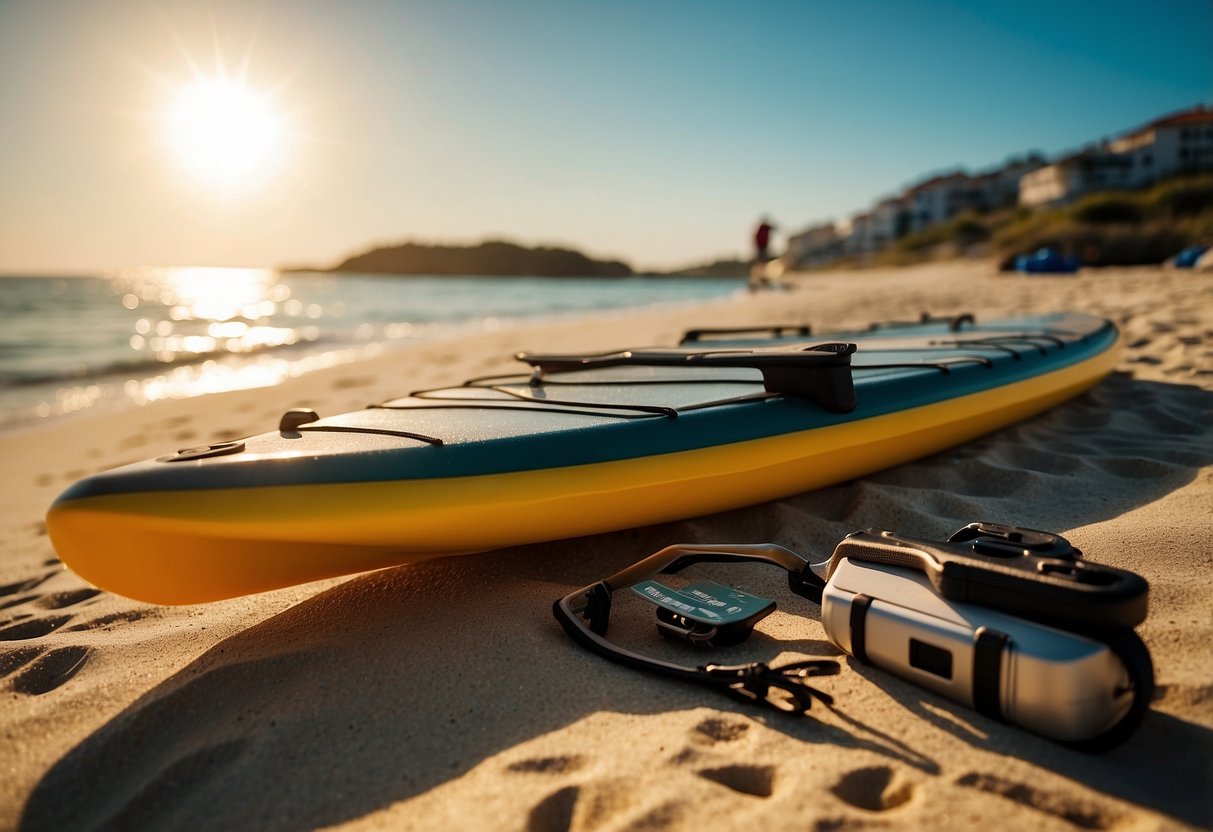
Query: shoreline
(411, 275)
(112, 399)
(375, 702)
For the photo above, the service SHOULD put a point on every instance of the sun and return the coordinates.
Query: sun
(225, 134)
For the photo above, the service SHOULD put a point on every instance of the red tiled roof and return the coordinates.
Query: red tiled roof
(1190, 117)
(1196, 115)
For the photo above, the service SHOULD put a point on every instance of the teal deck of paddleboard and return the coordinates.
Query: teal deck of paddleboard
(508, 424)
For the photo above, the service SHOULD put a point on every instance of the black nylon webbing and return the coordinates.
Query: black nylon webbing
(859, 628)
(988, 647)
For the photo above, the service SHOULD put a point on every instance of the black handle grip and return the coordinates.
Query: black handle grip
(821, 372)
(773, 331)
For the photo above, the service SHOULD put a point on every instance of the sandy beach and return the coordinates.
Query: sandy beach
(443, 695)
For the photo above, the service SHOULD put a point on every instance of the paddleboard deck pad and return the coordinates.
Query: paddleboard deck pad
(570, 445)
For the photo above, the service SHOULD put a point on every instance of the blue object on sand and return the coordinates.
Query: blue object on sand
(1047, 261)
(1187, 258)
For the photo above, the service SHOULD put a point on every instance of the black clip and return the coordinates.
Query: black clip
(753, 682)
(998, 540)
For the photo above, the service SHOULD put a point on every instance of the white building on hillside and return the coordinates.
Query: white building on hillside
(999, 188)
(938, 199)
(859, 241)
(1072, 176)
(888, 222)
(814, 246)
(1179, 143)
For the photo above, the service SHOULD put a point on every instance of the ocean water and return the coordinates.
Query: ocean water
(71, 343)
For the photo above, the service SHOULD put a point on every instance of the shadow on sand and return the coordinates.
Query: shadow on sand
(395, 682)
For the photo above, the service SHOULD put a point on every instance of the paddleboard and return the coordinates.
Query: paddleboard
(570, 445)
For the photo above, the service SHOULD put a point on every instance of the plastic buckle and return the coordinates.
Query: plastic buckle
(1001, 541)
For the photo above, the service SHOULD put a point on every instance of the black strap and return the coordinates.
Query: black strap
(807, 584)
(859, 627)
(753, 682)
(748, 682)
(598, 607)
(988, 647)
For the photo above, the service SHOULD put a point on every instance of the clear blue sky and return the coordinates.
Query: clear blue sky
(655, 132)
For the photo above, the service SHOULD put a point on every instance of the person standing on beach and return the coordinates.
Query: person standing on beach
(762, 242)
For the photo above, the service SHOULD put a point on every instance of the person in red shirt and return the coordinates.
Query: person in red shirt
(759, 279)
(762, 240)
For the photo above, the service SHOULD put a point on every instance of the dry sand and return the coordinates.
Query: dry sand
(444, 695)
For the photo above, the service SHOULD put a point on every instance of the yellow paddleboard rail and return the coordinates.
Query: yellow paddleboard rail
(183, 547)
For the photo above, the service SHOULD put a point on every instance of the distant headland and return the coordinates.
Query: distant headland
(498, 258)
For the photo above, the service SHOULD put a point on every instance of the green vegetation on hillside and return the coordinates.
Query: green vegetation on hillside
(1110, 228)
(494, 257)
(1118, 228)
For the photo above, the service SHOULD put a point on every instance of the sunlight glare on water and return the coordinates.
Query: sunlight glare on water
(205, 312)
(219, 294)
(200, 311)
(145, 334)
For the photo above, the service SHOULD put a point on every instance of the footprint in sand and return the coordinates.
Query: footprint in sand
(16, 601)
(757, 781)
(1080, 813)
(13, 660)
(605, 804)
(34, 669)
(50, 670)
(716, 730)
(706, 734)
(13, 595)
(548, 765)
(35, 628)
(21, 587)
(874, 789)
(59, 600)
(555, 812)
